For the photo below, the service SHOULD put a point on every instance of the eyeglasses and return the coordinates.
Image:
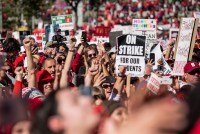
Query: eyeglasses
(92, 55)
(194, 72)
(106, 86)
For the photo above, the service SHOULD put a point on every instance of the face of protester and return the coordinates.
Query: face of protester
(107, 87)
(119, 115)
(22, 127)
(91, 54)
(76, 112)
(147, 72)
(47, 87)
(12, 56)
(193, 76)
(61, 60)
(113, 56)
(61, 49)
(50, 66)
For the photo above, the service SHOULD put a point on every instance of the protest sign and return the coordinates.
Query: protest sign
(113, 36)
(23, 34)
(185, 44)
(38, 34)
(197, 16)
(146, 27)
(131, 53)
(154, 83)
(166, 69)
(65, 22)
(173, 33)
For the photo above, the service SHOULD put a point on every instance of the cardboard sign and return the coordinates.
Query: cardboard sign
(38, 34)
(173, 33)
(131, 53)
(65, 22)
(146, 27)
(166, 80)
(185, 44)
(166, 69)
(154, 83)
(113, 36)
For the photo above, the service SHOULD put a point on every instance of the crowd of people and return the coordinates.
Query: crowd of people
(74, 88)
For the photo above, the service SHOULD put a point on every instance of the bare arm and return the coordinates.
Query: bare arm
(64, 81)
(30, 64)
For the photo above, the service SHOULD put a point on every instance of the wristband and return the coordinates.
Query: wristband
(72, 50)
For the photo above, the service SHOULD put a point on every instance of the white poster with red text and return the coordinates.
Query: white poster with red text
(183, 48)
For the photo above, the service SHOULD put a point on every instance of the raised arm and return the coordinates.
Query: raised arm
(64, 81)
(30, 64)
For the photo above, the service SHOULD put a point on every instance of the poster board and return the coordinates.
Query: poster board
(131, 53)
(185, 44)
(154, 83)
(173, 33)
(65, 22)
(148, 28)
(113, 36)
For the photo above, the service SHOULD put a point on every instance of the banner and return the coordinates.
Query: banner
(185, 39)
(65, 22)
(146, 27)
(131, 53)
(102, 31)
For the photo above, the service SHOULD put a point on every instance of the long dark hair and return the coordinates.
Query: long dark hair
(193, 102)
(47, 109)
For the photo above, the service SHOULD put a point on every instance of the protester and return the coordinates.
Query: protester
(84, 83)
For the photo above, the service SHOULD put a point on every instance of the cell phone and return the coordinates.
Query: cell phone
(66, 32)
(79, 80)
(84, 36)
(152, 57)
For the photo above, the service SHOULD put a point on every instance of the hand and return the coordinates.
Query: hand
(82, 41)
(19, 71)
(160, 61)
(171, 43)
(58, 70)
(176, 84)
(122, 71)
(150, 62)
(27, 43)
(99, 80)
(72, 42)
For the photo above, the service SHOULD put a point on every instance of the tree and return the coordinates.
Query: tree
(74, 5)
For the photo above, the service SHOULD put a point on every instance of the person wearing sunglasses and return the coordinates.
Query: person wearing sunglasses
(90, 52)
(107, 86)
(192, 72)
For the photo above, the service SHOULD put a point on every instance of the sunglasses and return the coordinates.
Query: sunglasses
(106, 86)
(194, 72)
(92, 55)
(60, 61)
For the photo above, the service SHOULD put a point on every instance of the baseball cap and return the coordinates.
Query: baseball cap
(50, 43)
(190, 66)
(43, 76)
